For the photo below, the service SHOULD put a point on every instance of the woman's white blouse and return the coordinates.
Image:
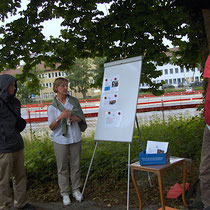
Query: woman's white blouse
(73, 130)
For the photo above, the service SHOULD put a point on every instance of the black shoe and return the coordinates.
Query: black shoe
(28, 206)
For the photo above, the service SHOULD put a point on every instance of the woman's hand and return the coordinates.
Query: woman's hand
(75, 119)
(65, 114)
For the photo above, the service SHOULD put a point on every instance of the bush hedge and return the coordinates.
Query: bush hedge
(111, 158)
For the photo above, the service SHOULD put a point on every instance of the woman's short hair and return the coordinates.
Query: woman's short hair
(57, 82)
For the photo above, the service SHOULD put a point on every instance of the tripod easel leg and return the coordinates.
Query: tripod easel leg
(129, 163)
(89, 168)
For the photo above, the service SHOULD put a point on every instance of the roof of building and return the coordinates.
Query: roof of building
(42, 66)
(12, 72)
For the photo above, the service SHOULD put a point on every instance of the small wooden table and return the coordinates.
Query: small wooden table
(158, 169)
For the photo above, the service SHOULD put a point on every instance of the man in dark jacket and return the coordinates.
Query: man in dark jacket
(11, 148)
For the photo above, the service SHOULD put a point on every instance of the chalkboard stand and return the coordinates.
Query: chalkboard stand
(91, 162)
(128, 186)
(139, 133)
(142, 146)
(126, 73)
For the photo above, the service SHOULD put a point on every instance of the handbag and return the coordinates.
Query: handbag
(20, 122)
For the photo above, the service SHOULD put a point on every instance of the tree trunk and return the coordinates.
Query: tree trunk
(206, 17)
(84, 94)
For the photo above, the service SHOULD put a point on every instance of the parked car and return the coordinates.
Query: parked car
(189, 89)
(165, 86)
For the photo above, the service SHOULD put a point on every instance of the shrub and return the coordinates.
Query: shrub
(183, 134)
(111, 158)
(40, 159)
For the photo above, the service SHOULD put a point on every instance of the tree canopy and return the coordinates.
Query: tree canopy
(79, 76)
(131, 28)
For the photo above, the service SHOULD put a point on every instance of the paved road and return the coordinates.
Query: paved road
(85, 205)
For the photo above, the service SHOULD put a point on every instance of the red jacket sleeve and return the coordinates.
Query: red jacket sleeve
(207, 105)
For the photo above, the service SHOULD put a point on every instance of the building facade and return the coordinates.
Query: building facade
(171, 75)
(176, 76)
(47, 77)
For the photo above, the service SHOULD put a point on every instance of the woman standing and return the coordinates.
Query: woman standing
(66, 120)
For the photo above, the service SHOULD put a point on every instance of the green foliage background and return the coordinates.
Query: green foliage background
(130, 28)
(110, 161)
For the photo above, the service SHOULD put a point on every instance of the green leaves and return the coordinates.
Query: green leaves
(79, 76)
(132, 28)
(8, 7)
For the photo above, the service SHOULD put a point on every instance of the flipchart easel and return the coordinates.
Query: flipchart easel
(117, 112)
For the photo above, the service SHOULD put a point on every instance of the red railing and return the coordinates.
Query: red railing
(161, 107)
(98, 99)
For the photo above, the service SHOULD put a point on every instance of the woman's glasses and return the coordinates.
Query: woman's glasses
(63, 86)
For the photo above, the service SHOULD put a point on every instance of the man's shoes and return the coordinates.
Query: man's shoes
(66, 200)
(27, 206)
(77, 195)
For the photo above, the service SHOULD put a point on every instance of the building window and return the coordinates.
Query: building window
(197, 79)
(170, 81)
(174, 81)
(46, 84)
(53, 74)
(50, 84)
(91, 81)
(63, 74)
(183, 80)
(46, 95)
(176, 70)
(187, 70)
(171, 71)
(49, 75)
(179, 80)
(56, 74)
(59, 73)
(166, 71)
(182, 70)
(166, 81)
(52, 94)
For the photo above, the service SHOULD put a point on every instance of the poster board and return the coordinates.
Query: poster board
(118, 102)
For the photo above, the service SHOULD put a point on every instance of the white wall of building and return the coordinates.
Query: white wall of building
(175, 75)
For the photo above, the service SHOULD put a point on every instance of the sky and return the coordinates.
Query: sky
(52, 27)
